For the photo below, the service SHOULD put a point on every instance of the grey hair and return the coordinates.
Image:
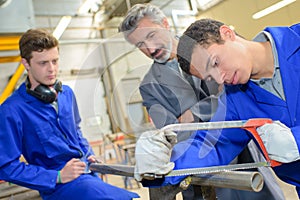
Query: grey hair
(136, 14)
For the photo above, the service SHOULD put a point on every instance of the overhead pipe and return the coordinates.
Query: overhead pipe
(9, 43)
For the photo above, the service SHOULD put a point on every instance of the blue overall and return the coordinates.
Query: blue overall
(242, 102)
(48, 140)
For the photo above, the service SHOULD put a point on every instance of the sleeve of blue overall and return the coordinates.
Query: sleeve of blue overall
(210, 148)
(11, 169)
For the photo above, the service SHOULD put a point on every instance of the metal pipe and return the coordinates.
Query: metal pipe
(240, 180)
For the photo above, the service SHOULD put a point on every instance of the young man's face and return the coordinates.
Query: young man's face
(226, 63)
(153, 39)
(43, 67)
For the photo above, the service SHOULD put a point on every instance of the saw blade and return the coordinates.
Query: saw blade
(217, 169)
(204, 125)
(255, 122)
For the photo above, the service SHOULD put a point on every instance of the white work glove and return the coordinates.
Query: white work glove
(279, 142)
(152, 153)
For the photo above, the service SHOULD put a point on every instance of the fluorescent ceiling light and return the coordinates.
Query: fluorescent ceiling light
(272, 8)
(61, 27)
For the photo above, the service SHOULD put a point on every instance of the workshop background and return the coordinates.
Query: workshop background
(102, 68)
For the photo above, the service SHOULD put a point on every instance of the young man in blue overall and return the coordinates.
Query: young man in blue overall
(40, 121)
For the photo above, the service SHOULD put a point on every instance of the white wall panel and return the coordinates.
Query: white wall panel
(17, 17)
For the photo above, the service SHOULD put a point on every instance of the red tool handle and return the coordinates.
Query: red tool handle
(251, 126)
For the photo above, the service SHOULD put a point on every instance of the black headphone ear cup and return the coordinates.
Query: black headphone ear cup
(46, 94)
(57, 86)
(43, 92)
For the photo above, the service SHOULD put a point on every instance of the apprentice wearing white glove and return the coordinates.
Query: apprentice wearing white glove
(152, 153)
(279, 142)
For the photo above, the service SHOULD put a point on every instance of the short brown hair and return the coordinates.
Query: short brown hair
(36, 40)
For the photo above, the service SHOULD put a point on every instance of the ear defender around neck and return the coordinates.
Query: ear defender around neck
(43, 92)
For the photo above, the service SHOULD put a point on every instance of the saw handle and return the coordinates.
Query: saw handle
(251, 126)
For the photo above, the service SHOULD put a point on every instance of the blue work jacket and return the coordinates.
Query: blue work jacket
(242, 102)
(47, 139)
